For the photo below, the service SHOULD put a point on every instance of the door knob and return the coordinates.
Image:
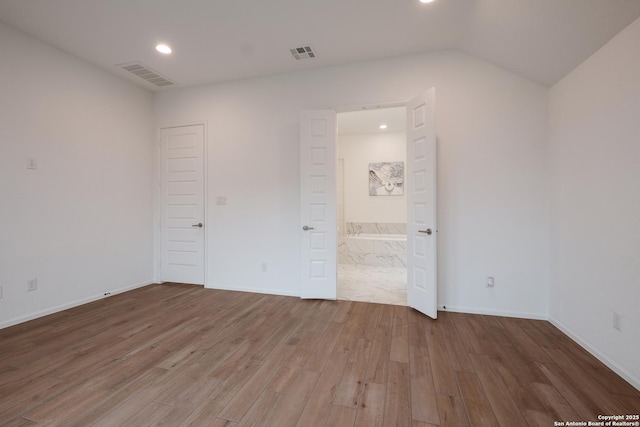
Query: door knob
(199, 225)
(427, 231)
(306, 227)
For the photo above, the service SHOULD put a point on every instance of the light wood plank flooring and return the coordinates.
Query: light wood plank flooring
(178, 355)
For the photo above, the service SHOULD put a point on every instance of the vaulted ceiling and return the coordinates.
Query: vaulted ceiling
(222, 40)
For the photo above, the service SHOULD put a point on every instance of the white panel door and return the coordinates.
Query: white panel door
(421, 199)
(182, 222)
(318, 246)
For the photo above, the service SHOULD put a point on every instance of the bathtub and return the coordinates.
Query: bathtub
(378, 250)
(391, 237)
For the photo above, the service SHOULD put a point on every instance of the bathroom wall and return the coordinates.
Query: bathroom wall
(358, 150)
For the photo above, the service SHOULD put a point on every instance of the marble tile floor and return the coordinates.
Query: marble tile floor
(384, 285)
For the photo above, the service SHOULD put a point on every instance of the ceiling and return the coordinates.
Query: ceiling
(216, 40)
(369, 121)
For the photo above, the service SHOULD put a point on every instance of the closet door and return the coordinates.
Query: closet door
(182, 222)
(318, 245)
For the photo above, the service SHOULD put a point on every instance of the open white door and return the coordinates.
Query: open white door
(318, 248)
(182, 222)
(421, 198)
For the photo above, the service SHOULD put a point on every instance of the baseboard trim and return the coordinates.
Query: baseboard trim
(61, 307)
(490, 312)
(611, 364)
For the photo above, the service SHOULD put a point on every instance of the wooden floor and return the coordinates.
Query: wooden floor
(183, 355)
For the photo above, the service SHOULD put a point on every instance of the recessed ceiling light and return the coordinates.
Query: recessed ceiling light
(426, 1)
(163, 48)
(383, 126)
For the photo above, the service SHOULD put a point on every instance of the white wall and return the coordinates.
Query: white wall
(81, 222)
(595, 243)
(358, 150)
(492, 188)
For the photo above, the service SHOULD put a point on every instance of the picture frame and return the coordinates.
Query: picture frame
(386, 179)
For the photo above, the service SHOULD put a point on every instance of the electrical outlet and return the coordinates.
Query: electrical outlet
(265, 267)
(617, 321)
(32, 285)
(32, 163)
(490, 282)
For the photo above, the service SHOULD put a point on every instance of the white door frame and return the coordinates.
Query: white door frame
(157, 208)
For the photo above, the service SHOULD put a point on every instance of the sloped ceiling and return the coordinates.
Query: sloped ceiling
(215, 41)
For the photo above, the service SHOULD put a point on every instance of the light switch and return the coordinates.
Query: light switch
(221, 200)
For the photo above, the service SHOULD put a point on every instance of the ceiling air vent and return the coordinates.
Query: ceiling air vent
(304, 52)
(146, 73)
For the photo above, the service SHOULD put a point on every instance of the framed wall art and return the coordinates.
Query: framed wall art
(386, 179)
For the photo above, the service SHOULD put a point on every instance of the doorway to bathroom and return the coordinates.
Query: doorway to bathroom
(372, 205)
(319, 229)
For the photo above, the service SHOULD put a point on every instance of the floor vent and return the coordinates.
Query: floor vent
(304, 52)
(146, 73)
